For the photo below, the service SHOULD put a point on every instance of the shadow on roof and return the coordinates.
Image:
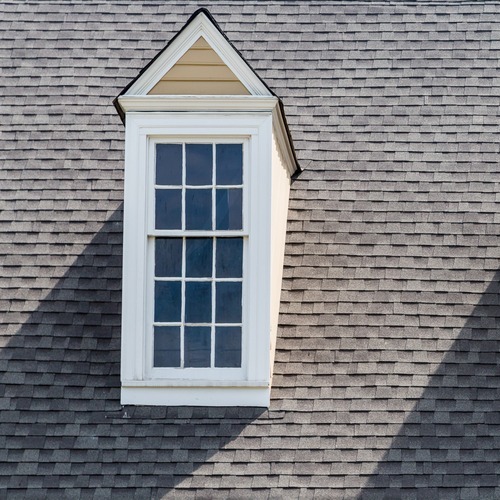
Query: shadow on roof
(63, 430)
(65, 434)
(448, 445)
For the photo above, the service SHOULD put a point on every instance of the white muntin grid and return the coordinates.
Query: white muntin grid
(212, 234)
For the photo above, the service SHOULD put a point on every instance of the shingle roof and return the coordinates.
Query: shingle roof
(386, 382)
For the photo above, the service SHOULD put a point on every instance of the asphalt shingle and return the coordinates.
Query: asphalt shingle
(386, 375)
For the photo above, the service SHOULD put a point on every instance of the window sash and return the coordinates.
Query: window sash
(182, 278)
(212, 372)
(152, 186)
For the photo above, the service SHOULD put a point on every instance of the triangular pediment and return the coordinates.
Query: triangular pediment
(200, 71)
(199, 60)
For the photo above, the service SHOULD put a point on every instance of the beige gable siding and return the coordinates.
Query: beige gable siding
(200, 71)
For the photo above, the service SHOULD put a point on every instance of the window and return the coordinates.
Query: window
(197, 239)
(197, 291)
(207, 181)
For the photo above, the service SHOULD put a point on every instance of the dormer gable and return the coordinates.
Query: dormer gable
(199, 60)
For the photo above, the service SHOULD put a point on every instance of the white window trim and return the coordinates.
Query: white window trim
(253, 385)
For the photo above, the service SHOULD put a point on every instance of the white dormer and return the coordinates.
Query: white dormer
(208, 163)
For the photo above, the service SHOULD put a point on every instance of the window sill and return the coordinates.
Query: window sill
(159, 395)
(194, 383)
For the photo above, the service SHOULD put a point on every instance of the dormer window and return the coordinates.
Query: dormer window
(207, 179)
(198, 237)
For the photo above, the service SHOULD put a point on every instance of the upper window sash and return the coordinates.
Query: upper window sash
(153, 186)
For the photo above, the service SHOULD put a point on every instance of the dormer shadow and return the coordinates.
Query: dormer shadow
(63, 427)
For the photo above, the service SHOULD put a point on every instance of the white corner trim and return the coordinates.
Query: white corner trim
(199, 26)
(284, 145)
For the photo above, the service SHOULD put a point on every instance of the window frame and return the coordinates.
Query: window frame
(208, 373)
(142, 132)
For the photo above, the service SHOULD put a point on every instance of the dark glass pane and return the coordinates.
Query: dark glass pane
(229, 164)
(168, 209)
(229, 261)
(228, 208)
(168, 257)
(168, 301)
(199, 257)
(198, 209)
(196, 346)
(198, 302)
(167, 346)
(199, 164)
(228, 346)
(169, 164)
(228, 302)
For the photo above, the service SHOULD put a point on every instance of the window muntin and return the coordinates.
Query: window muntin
(198, 247)
(199, 186)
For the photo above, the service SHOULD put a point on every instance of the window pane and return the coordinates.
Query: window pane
(228, 346)
(168, 301)
(169, 164)
(198, 302)
(228, 209)
(168, 209)
(229, 164)
(229, 262)
(199, 164)
(198, 209)
(167, 346)
(199, 257)
(168, 257)
(228, 302)
(196, 346)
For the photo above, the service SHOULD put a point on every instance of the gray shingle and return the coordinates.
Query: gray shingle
(385, 381)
